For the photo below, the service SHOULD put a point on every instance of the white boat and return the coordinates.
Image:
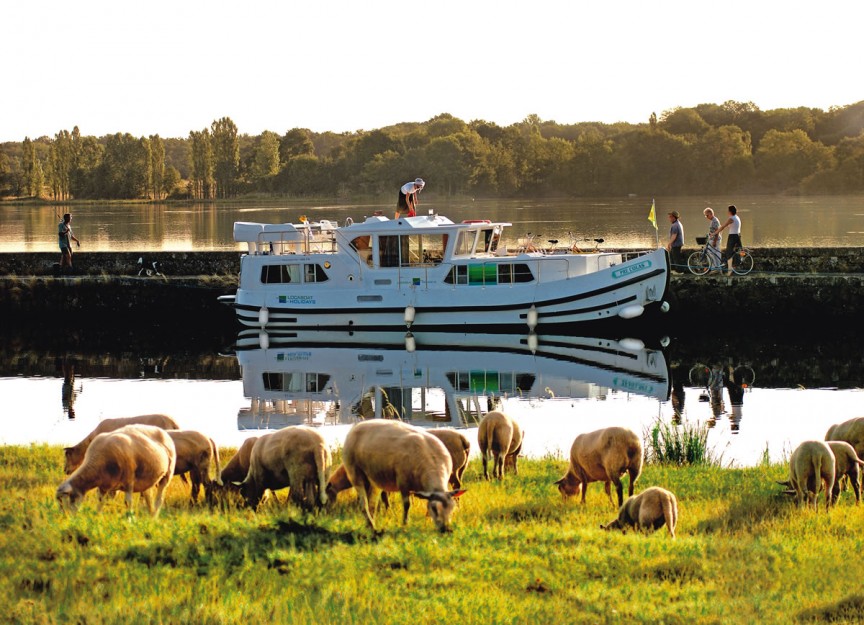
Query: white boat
(328, 379)
(430, 273)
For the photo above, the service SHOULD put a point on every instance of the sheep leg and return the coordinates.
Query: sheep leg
(363, 488)
(160, 494)
(633, 472)
(856, 489)
(485, 458)
(195, 478)
(145, 495)
(499, 465)
(406, 504)
(619, 489)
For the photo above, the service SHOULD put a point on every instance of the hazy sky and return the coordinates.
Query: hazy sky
(168, 67)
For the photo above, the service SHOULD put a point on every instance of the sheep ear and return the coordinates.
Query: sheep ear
(559, 482)
(457, 493)
(422, 494)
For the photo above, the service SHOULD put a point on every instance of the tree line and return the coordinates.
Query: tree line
(729, 147)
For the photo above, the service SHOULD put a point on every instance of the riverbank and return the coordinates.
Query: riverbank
(517, 551)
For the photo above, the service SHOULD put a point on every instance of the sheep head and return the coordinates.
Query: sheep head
(68, 497)
(440, 506)
(569, 485)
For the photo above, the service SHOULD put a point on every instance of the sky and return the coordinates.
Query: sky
(169, 67)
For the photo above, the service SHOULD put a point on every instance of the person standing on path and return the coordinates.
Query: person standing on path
(734, 241)
(65, 238)
(676, 242)
(714, 239)
(407, 202)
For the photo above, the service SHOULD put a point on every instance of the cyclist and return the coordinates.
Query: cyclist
(734, 241)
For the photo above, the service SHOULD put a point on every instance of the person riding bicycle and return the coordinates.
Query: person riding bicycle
(733, 243)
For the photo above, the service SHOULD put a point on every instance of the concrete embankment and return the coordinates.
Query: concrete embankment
(788, 287)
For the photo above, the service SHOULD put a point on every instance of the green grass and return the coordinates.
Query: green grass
(519, 554)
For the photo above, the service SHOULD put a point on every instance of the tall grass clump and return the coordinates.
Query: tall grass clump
(682, 444)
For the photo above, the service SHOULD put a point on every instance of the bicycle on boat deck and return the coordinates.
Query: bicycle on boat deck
(701, 262)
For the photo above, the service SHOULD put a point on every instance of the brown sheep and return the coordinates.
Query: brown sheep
(339, 482)
(810, 463)
(851, 431)
(296, 457)
(603, 456)
(394, 456)
(649, 510)
(195, 455)
(501, 436)
(459, 447)
(75, 454)
(238, 467)
(133, 459)
(846, 463)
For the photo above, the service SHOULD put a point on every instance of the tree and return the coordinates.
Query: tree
(295, 142)
(32, 169)
(686, 122)
(61, 163)
(264, 163)
(124, 169)
(201, 175)
(226, 157)
(156, 148)
(784, 159)
(723, 160)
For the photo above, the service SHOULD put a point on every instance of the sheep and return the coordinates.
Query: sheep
(75, 455)
(133, 459)
(603, 456)
(296, 457)
(501, 436)
(394, 456)
(846, 463)
(650, 509)
(195, 453)
(457, 445)
(238, 467)
(811, 462)
(851, 431)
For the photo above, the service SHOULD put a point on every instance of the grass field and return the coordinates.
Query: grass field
(519, 554)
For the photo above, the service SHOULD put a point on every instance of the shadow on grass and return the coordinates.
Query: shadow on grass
(528, 512)
(747, 512)
(232, 549)
(848, 610)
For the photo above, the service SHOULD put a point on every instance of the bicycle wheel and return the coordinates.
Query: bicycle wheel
(698, 263)
(743, 263)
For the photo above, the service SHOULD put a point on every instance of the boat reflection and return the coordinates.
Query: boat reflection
(335, 378)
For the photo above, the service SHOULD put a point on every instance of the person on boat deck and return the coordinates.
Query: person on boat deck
(676, 242)
(65, 238)
(734, 241)
(407, 202)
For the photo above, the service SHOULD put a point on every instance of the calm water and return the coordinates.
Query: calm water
(770, 399)
(623, 222)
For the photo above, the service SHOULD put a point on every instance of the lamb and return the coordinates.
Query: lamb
(134, 459)
(339, 482)
(846, 463)
(603, 456)
(75, 455)
(650, 509)
(238, 467)
(851, 431)
(296, 457)
(195, 453)
(394, 456)
(501, 436)
(811, 462)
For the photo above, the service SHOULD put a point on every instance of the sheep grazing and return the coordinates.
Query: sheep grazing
(810, 463)
(238, 467)
(133, 459)
(393, 456)
(75, 455)
(649, 510)
(603, 456)
(852, 432)
(339, 482)
(296, 457)
(195, 455)
(459, 447)
(846, 463)
(500, 436)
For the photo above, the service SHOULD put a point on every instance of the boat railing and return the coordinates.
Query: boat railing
(305, 238)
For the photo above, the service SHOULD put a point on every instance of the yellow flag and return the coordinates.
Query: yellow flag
(652, 216)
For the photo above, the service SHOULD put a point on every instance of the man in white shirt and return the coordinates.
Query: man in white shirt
(407, 202)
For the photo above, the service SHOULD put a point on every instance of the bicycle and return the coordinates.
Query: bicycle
(699, 263)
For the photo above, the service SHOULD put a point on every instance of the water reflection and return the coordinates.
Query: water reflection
(714, 379)
(333, 378)
(68, 392)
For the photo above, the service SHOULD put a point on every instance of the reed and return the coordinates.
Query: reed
(684, 443)
(519, 553)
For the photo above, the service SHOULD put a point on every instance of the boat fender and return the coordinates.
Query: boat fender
(532, 318)
(263, 339)
(410, 343)
(664, 307)
(263, 316)
(631, 312)
(409, 315)
(533, 343)
(634, 345)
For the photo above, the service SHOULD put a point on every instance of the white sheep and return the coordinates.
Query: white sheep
(75, 454)
(296, 457)
(603, 456)
(846, 464)
(810, 463)
(459, 447)
(393, 456)
(196, 452)
(852, 432)
(501, 437)
(238, 466)
(649, 510)
(133, 459)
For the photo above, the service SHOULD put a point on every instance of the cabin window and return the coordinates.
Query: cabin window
(486, 274)
(411, 250)
(465, 243)
(315, 273)
(515, 272)
(287, 274)
(295, 382)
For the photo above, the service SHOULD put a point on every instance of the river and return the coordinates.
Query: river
(768, 221)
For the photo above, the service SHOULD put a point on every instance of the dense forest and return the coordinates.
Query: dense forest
(730, 147)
